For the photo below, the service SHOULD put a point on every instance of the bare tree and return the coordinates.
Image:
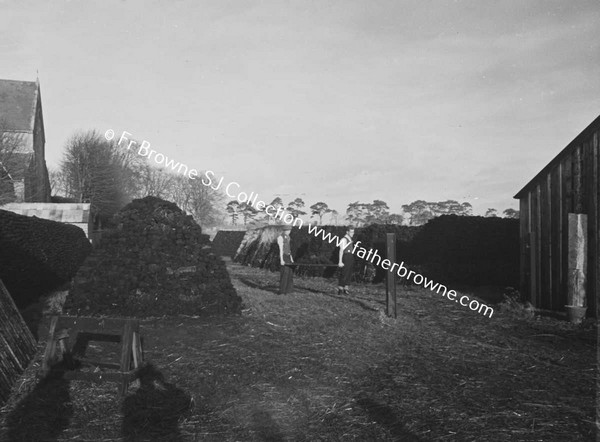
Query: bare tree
(10, 143)
(98, 172)
(153, 181)
(200, 201)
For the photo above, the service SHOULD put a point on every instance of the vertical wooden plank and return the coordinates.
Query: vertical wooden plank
(535, 246)
(594, 228)
(525, 246)
(126, 349)
(589, 185)
(567, 207)
(578, 197)
(556, 235)
(545, 241)
(50, 349)
(390, 288)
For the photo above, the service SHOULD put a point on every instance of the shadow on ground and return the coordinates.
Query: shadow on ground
(154, 410)
(44, 413)
(255, 285)
(385, 416)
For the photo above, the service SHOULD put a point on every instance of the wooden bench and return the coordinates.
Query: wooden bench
(66, 332)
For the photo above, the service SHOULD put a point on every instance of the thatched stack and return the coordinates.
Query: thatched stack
(17, 345)
(38, 255)
(259, 247)
(156, 262)
(227, 242)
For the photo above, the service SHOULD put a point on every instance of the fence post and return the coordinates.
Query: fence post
(390, 288)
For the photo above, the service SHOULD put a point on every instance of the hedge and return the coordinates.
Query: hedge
(38, 255)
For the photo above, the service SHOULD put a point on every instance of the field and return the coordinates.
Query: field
(316, 366)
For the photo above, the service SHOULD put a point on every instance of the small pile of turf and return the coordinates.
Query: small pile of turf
(155, 262)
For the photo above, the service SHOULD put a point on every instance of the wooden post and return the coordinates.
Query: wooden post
(390, 288)
(577, 259)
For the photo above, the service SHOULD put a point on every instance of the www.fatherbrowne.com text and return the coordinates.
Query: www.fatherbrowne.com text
(279, 213)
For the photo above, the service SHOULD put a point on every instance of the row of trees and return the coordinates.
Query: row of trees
(106, 175)
(359, 214)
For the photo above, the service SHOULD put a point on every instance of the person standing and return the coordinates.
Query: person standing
(286, 281)
(346, 261)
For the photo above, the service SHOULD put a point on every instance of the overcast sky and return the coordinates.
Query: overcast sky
(334, 101)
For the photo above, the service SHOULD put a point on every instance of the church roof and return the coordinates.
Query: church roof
(18, 101)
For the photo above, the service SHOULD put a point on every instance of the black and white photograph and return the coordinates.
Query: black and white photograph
(299, 220)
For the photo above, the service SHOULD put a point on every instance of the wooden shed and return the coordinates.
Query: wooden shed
(569, 184)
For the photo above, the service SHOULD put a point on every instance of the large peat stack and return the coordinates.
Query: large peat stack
(38, 255)
(470, 250)
(17, 345)
(156, 262)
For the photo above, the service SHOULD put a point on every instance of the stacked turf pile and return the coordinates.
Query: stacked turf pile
(374, 237)
(470, 250)
(38, 255)
(155, 262)
(227, 242)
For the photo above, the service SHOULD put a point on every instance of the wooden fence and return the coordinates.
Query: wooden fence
(17, 345)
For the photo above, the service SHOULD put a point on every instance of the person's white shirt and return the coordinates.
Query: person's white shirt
(343, 244)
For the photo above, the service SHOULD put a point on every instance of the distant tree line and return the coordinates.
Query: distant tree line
(108, 176)
(359, 214)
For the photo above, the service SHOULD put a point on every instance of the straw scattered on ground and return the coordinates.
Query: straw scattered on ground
(314, 365)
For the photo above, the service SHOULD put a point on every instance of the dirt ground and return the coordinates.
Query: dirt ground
(316, 366)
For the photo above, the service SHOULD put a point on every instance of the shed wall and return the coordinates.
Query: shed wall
(570, 184)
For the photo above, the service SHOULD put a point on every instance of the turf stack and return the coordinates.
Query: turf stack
(155, 262)
(470, 250)
(38, 255)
